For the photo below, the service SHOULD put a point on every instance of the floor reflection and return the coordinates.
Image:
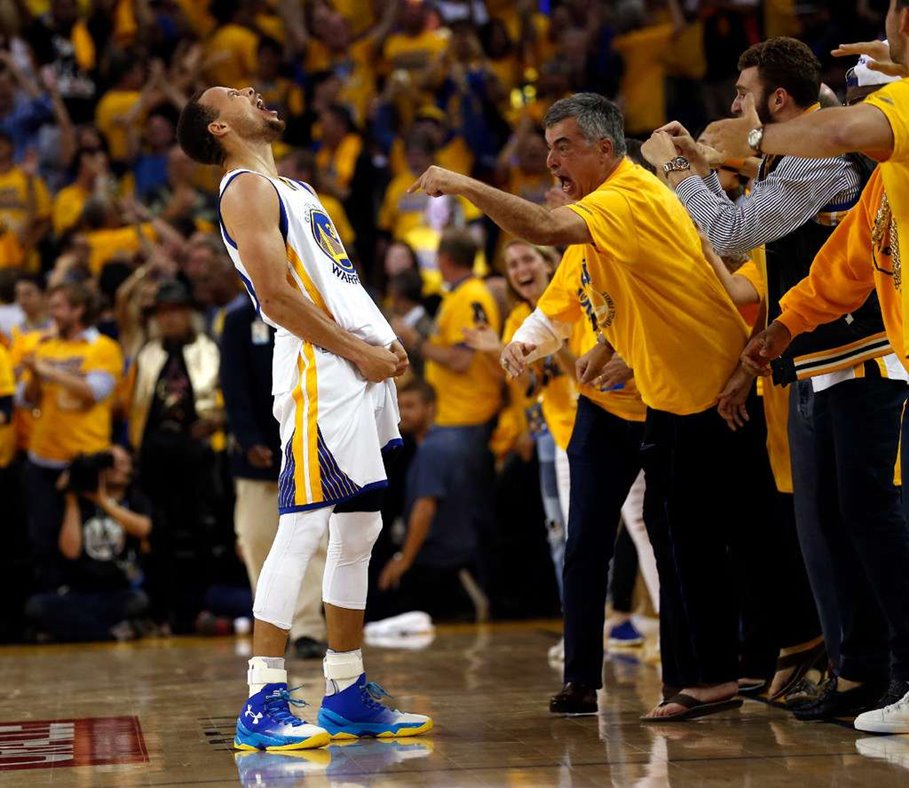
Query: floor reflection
(343, 763)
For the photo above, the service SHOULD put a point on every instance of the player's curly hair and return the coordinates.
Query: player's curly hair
(193, 135)
(788, 64)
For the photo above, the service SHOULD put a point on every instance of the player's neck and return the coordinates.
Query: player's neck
(258, 158)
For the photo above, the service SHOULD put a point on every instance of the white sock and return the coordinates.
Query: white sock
(342, 669)
(265, 670)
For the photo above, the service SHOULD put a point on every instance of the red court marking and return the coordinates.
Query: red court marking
(53, 744)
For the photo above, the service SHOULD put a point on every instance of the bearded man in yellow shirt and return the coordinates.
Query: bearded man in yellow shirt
(645, 284)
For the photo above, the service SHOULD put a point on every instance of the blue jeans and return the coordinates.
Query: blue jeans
(851, 524)
(549, 491)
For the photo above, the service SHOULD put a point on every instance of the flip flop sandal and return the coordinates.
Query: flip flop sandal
(752, 687)
(802, 661)
(694, 708)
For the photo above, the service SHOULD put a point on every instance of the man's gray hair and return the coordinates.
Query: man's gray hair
(597, 118)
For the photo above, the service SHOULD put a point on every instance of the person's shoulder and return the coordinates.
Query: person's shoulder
(104, 344)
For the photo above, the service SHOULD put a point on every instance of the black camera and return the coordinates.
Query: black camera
(85, 470)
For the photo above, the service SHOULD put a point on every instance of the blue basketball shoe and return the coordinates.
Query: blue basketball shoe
(358, 711)
(267, 723)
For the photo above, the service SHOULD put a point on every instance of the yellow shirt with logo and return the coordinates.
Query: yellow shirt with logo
(7, 389)
(893, 101)
(472, 397)
(565, 300)
(413, 52)
(65, 427)
(645, 284)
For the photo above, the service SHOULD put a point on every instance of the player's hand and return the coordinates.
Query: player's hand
(377, 364)
(730, 137)
(514, 358)
(401, 355)
(765, 347)
(593, 363)
(878, 51)
(615, 373)
(437, 181)
(259, 456)
(731, 405)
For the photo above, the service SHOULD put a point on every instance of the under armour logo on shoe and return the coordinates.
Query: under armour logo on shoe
(255, 716)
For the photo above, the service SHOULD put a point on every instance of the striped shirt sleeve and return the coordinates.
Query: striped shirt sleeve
(794, 193)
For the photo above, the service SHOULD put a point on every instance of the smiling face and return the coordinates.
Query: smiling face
(579, 166)
(243, 113)
(527, 270)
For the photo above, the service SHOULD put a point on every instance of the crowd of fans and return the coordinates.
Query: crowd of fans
(122, 323)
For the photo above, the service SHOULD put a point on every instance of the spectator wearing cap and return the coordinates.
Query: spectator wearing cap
(247, 343)
(174, 409)
(69, 380)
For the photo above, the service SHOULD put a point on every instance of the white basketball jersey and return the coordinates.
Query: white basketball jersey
(319, 266)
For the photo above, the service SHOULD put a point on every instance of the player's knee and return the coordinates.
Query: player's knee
(353, 535)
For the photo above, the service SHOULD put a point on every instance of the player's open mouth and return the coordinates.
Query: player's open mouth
(260, 105)
(565, 183)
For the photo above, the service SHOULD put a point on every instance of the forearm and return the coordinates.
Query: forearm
(296, 313)
(418, 527)
(70, 540)
(831, 132)
(74, 384)
(450, 356)
(514, 215)
(548, 335)
(136, 525)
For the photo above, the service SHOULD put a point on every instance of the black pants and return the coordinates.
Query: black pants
(697, 498)
(604, 460)
(80, 616)
(624, 574)
(45, 518)
(851, 523)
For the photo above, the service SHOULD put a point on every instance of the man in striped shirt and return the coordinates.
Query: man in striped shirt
(847, 387)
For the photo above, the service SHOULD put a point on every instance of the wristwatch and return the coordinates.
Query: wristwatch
(756, 139)
(678, 164)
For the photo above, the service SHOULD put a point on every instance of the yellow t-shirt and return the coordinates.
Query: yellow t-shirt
(893, 101)
(413, 52)
(565, 300)
(17, 191)
(104, 245)
(68, 205)
(113, 107)
(7, 389)
(646, 285)
(64, 427)
(643, 86)
(342, 162)
(472, 397)
(231, 56)
(454, 155)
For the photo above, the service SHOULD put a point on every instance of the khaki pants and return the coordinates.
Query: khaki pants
(256, 523)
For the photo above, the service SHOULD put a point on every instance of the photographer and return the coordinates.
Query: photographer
(104, 521)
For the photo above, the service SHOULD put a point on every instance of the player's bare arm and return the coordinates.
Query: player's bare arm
(519, 217)
(250, 213)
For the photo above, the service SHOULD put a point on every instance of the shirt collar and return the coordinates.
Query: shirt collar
(624, 165)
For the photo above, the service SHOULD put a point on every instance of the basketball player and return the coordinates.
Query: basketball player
(334, 359)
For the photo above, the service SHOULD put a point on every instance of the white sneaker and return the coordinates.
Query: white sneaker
(892, 718)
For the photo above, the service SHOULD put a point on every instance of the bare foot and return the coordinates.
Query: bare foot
(712, 694)
(781, 677)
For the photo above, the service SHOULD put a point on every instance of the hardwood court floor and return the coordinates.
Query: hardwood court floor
(487, 688)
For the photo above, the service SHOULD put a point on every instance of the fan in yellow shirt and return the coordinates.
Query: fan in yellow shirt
(119, 108)
(415, 45)
(340, 151)
(70, 378)
(25, 211)
(645, 284)
(230, 51)
(7, 390)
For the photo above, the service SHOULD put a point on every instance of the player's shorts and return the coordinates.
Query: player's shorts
(334, 427)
